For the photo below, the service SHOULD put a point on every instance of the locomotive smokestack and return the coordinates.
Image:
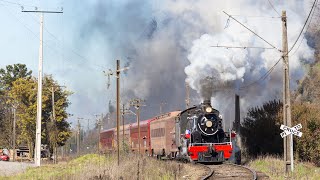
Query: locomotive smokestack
(237, 114)
(207, 102)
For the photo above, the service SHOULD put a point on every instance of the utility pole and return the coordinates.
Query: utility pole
(88, 126)
(161, 104)
(137, 104)
(118, 108)
(78, 136)
(54, 125)
(187, 96)
(123, 111)
(37, 155)
(99, 121)
(118, 70)
(14, 132)
(288, 142)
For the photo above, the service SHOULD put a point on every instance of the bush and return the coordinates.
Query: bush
(307, 148)
(260, 130)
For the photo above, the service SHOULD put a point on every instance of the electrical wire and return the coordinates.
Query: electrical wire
(18, 4)
(241, 47)
(60, 43)
(274, 8)
(303, 36)
(272, 17)
(305, 23)
(252, 31)
(84, 59)
(263, 77)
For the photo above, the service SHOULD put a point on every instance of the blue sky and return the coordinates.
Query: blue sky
(76, 66)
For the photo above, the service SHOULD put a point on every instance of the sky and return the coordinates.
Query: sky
(164, 43)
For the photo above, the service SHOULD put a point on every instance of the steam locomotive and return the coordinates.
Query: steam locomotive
(195, 135)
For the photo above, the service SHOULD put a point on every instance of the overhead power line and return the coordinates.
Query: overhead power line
(18, 4)
(274, 8)
(272, 17)
(82, 58)
(263, 77)
(241, 47)
(305, 23)
(252, 31)
(304, 33)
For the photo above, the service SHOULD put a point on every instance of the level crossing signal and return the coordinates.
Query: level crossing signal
(294, 130)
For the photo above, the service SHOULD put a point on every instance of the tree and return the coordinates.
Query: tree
(57, 130)
(6, 124)
(12, 73)
(24, 91)
(260, 130)
(7, 76)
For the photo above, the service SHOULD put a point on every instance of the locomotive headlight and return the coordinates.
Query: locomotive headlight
(209, 123)
(208, 109)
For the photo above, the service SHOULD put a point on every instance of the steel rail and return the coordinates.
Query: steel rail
(254, 173)
(206, 177)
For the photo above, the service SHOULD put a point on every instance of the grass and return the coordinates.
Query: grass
(93, 166)
(274, 168)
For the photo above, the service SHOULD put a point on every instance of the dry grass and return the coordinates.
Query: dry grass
(274, 168)
(93, 166)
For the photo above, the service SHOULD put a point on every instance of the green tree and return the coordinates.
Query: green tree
(7, 76)
(24, 91)
(260, 130)
(57, 130)
(12, 73)
(6, 122)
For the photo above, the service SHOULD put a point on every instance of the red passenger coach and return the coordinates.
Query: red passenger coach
(106, 140)
(144, 136)
(162, 134)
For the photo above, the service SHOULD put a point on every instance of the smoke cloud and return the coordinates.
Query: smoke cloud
(168, 43)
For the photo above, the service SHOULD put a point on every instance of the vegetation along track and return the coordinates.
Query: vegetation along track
(228, 171)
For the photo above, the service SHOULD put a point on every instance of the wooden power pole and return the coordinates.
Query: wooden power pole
(122, 113)
(288, 150)
(99, 122)
(118, 108)
(137, 104)
(118, 101)
(54, 125)
(78, 136)
(14, 132)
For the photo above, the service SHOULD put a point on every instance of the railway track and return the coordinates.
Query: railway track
(230, 171)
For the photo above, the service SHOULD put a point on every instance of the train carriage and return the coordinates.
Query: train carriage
(144, 137)
(126, 140)
(107, 140)
(162, 134)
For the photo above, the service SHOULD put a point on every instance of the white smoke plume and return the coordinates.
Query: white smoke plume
(169, 42)
(240, 67)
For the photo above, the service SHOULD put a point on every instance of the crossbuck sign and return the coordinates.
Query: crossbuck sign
(294, 130)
